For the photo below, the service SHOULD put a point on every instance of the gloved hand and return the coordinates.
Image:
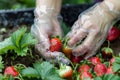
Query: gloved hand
(46, 24)
(89, 32)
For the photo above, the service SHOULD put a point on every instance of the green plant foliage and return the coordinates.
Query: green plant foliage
(116, 64)
(77, 1)
(20, 4)
(19, 41)
(1, 64)
(41, 71)
(65, 28)
(30, 72)
(16, 4)
(108, 77)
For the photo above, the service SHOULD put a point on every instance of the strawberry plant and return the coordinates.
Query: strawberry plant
(19, 42)
(1, 64)
(108, 77)
(41, 71)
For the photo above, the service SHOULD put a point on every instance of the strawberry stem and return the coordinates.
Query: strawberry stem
(108, 43)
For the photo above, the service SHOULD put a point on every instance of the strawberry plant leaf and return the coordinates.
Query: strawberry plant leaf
(47, 71)
(87, 79)
(97, 78)
(108, 77)
(11, 77)
(17, 35)
(6, 45)
(111, 77)
(19, 42)
(27, 39)
(1, 77)
(117, 60)
(21, 51)
(116, 64)
(116, 67)
(1, 64)
(30, 72)
(65, 28)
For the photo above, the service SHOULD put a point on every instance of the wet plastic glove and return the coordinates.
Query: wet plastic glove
(46, 24)
(89, 32)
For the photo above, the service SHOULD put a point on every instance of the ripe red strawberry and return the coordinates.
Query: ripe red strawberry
(83, 68)
(109, 70)
(55, 44)
(76, 59)
(113, 34)
(107, 52)
(65, 71)
(95, 60)
(10, 70)
(85, 75)
(100, 69)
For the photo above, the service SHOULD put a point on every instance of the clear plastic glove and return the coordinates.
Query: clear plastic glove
(46, 24)
(89, 32)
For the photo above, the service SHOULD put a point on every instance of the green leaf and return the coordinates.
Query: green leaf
(108, 77)
(97, 78)
(87, 79)
(10, 78)
(117, 60)
(21, 51)
(1, 64)
(1, 77)
(116, 67)
(6, 45)
(47, 71)
(17, 35)
(65, 28)
(30, 72)
(27, 40)
(116, 64)
(22, 41)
